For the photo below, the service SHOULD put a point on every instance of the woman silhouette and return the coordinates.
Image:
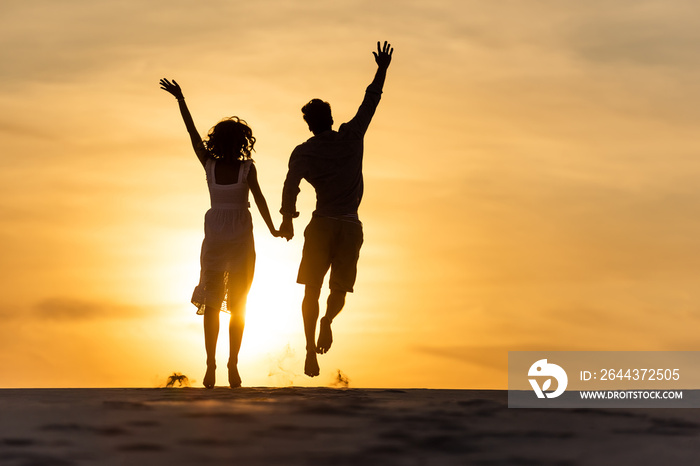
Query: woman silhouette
(228, 251)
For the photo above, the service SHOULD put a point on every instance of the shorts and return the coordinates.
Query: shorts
(331, 243)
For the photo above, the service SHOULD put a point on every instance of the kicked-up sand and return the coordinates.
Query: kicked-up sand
(323, 426)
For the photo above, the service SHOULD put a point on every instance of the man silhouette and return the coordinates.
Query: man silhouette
(331, 161)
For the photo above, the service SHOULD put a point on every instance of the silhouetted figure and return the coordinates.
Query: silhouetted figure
(228, 252)
(331, 161)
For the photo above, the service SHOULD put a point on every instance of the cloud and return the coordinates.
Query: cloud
(647, 33)
(72, 309)
(486, 357)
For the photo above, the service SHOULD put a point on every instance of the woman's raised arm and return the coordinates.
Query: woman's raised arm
(174, 89)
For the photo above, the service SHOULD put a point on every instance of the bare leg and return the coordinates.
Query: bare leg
(309, 309)
(235, 330)
(235, 337)
(211, 335)
(335, 303)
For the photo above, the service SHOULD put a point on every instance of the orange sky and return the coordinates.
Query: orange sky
(531, 184)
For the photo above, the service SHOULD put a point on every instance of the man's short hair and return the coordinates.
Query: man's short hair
(317, 114)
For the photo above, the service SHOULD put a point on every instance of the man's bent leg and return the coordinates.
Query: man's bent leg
(335, 303)
(309, 309)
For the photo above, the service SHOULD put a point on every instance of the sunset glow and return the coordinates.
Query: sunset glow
(531, 184)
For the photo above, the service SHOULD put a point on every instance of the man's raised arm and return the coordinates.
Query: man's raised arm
(360, 122)
(383, 58)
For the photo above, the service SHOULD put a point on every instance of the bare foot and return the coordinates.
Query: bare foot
(325, 336)
(234, 379)
(210, 377)
(311, 364)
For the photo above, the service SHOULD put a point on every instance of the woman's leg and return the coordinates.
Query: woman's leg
(211, 335)
(214, 286)
(238, 296)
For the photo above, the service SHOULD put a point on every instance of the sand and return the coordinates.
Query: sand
(324, 426)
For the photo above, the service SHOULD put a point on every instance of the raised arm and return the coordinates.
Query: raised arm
(360, 122)
(197, 144)
(260, 200)
(383, 58)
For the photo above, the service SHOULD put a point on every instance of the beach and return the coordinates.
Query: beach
(328, 426)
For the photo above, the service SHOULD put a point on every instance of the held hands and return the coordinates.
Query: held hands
(172, 87)
(286, 230)
(383, 55)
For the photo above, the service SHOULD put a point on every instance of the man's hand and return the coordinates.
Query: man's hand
(287, 228)
(383, 55)
(172, 87)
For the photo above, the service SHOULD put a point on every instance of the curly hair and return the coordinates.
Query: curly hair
(230, 138)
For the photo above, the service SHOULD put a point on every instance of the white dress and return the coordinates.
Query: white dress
(228, 251)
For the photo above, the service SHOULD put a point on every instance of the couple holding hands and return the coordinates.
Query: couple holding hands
(331, 161)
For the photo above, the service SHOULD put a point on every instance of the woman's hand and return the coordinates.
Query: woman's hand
(172, 87)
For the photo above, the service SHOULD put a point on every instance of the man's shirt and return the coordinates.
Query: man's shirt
(332, 163)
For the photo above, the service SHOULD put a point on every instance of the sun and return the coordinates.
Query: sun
(273, 326)
(273, 311)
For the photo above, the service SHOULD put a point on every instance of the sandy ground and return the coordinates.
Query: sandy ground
(323, 426)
